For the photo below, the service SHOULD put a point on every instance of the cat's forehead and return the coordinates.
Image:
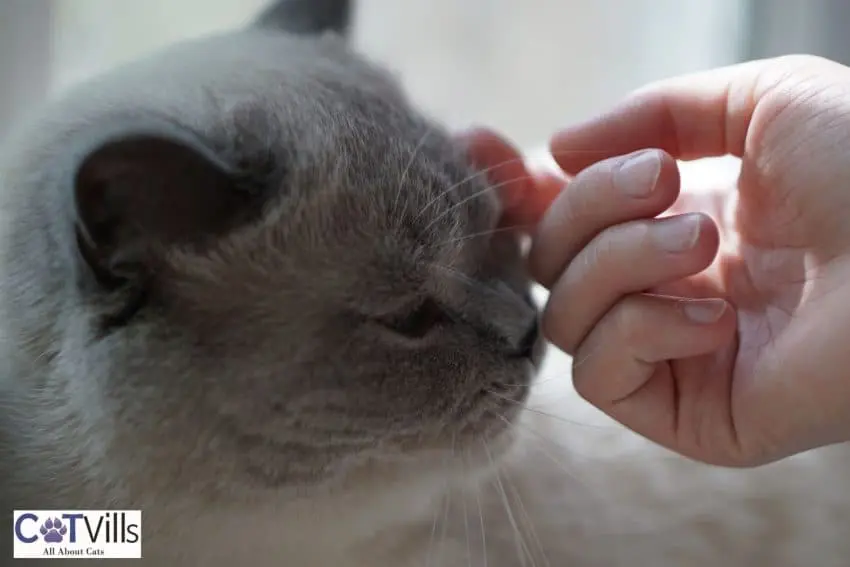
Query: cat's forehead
(364, 208)
(299, 116)
(355, 178)
(356, 159)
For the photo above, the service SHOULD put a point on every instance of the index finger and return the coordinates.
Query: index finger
(706, 114)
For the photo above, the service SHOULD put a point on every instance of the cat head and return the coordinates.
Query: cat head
(282, 271)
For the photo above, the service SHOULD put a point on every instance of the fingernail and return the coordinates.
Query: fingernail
(704, 311)
(638, 175)
(677, 234)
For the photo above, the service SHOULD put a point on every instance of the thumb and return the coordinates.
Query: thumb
(706, 114)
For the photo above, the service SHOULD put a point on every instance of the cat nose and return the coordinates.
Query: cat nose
(525, 347)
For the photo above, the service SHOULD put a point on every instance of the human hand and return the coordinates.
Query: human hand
(735, 358)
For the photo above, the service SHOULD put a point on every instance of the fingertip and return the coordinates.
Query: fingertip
(703, 311)
(607, 194)
(709, 228)
(708, 242)
(647, 174)
(707, 325)
(714, 319)
(644, 330)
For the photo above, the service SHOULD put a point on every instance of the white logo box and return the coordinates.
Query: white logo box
(77, 534)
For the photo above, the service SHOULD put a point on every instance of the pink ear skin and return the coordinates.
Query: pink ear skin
(525, 195)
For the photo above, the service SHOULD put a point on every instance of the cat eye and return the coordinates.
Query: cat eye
(418, 323)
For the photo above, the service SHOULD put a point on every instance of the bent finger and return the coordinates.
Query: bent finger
(608, 193)
(625, 259)
(622, 368)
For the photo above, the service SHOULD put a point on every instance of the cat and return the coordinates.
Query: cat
(249, 289)
(243, 292)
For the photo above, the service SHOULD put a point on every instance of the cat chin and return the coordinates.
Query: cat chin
(463, 463)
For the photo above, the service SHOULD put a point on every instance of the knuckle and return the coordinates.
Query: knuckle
(639, 232)
(555, 327)
(581, 384)
(581, 270)
(801, 60)
(545, 257)
(578, 199)
(591, 194)
(627, 320)
(582, 366)
(616, 244)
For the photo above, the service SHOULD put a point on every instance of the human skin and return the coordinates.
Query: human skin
(722, 338)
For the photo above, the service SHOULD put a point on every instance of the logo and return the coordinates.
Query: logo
(77, 534)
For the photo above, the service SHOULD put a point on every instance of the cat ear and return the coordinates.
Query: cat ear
(311, 17)
(139, 193)
(503, 163)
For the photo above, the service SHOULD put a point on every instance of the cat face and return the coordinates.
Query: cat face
(283, 272)
(371, 313)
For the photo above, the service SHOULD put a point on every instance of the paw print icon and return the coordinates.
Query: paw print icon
(53, 530)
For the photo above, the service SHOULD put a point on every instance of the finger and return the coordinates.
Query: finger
(503, 165)
(608, 193)
(621, 368)
(625, 259)
(698, 286)
(694, 116)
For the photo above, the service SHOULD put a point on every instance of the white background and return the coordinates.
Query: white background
(523, 66)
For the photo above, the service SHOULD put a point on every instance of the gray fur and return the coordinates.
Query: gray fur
(253, 361)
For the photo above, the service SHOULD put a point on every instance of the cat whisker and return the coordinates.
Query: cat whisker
(583, 360)
(504, 294)
(406, 170)
(479, 234)
(487, 189)
(536, 382)
(483, 530)
(522, 548)
(593, 352)
(562, 466)
(448, 489)
(467, 179)
(458, 275)
(543, 413)
(490, 169)
(466, 530)
(437, 510)
(527, 519)
(448, 495)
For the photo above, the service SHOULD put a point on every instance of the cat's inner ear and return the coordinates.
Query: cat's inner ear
(139, 194)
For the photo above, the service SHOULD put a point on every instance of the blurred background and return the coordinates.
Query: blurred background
(522, 66)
